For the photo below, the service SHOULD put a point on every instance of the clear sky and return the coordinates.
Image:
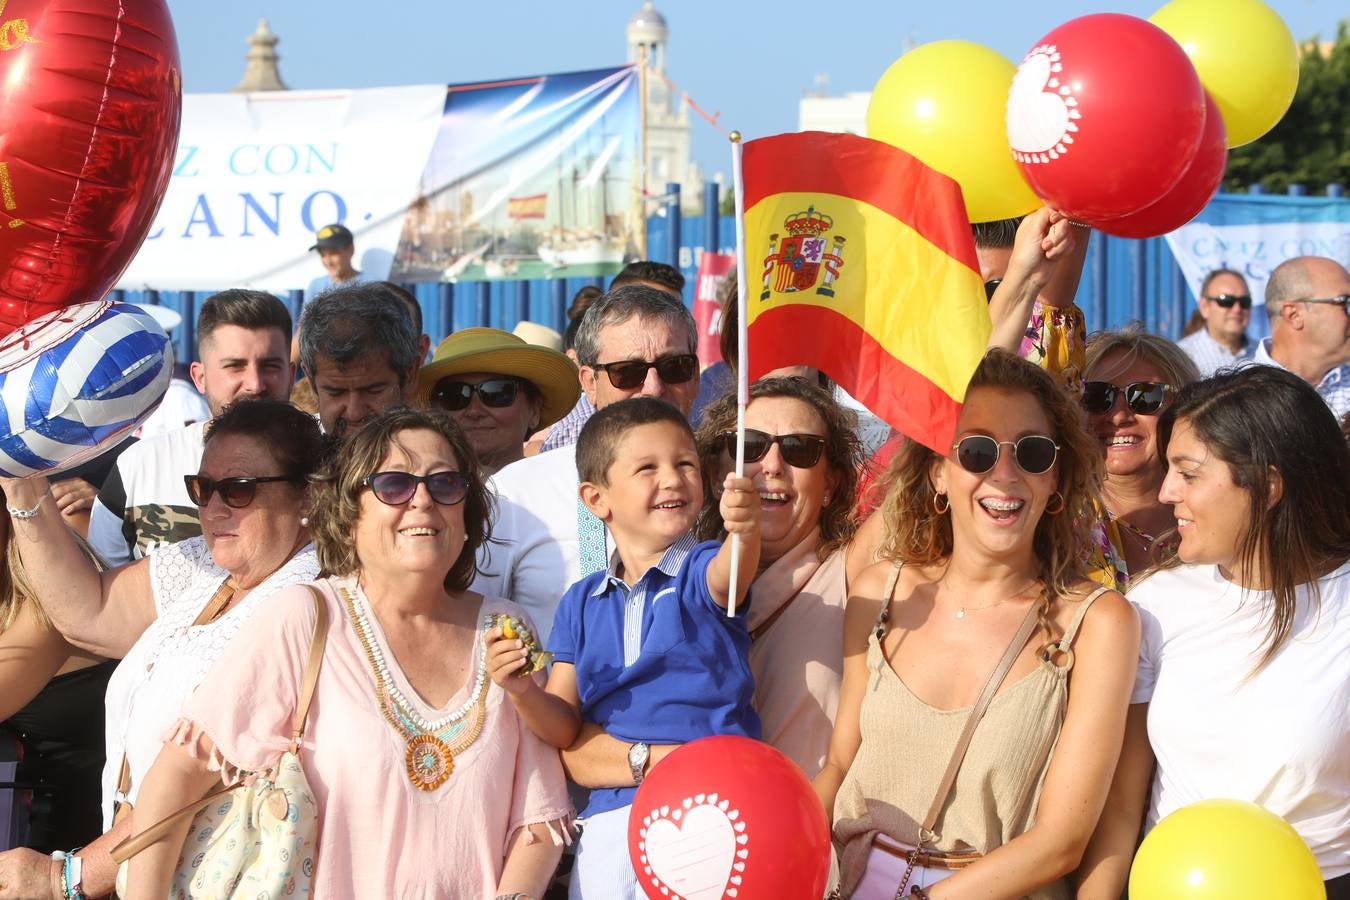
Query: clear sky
(749, 61)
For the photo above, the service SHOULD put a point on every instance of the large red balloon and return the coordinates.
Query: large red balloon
(1195, 189)
(728, 817)
(1104, 116)
(90, 97)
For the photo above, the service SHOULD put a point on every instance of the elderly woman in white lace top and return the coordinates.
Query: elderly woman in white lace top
(171, 615)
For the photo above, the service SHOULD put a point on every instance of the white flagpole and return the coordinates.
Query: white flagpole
(742, 346)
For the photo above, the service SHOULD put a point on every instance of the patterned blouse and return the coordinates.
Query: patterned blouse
(1056, 340)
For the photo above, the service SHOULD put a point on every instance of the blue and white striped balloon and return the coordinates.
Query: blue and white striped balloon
(75, 380)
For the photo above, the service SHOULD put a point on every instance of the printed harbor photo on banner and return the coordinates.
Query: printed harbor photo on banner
(528, 178)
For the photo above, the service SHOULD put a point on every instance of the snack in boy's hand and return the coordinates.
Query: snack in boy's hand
(513, 628)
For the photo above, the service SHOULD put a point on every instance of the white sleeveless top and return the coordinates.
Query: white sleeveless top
(148, 689)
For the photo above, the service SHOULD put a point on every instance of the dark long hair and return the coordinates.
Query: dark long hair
(1261, 420)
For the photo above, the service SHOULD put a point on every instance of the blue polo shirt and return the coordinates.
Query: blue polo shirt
(659, 662)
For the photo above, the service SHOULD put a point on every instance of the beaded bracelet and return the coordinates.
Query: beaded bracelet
(18, 513)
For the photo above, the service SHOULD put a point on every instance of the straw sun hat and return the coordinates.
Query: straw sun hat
(494, 352)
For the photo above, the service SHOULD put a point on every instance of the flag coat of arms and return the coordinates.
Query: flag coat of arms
(861, 264)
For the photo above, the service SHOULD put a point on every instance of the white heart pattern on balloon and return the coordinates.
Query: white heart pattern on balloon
(1043, 113)
(696, 851)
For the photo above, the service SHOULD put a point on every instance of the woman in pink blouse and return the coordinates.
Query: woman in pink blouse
(480, 808)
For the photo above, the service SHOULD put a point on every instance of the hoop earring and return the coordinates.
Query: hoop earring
(946, 504)
(1058, 509)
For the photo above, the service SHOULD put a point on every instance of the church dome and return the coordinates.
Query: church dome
(647, 23)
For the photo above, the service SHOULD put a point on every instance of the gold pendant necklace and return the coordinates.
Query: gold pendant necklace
(962, 608)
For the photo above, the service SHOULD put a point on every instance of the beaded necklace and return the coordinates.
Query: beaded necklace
(431, 744)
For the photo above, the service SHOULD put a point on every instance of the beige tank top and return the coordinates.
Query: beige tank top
(907, 744)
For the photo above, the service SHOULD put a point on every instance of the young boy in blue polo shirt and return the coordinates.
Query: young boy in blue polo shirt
(645, 649)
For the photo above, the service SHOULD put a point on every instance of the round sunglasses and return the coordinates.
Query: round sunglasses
(1033, 453)
(631, 373)
(453, 396)
(397, 488)
(236, 493)
(1143, 397)
(801, 451)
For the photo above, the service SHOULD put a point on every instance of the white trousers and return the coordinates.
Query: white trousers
(603, 870)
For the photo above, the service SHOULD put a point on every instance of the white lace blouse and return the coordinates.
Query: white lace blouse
(147, 691)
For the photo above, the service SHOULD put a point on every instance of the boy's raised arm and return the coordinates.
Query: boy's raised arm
(740, 515)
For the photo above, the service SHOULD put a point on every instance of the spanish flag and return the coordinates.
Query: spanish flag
(868, 274)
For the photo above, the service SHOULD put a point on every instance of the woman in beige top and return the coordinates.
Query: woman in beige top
(803, 455)
(983, 536)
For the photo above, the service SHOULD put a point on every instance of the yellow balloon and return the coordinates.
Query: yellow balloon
(945, 103)
(1246, 58)
(1225, 850)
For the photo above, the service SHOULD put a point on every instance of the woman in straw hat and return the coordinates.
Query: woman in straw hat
(500, 390)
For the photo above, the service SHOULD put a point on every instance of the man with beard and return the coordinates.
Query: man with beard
(360, 352)
(242, 341)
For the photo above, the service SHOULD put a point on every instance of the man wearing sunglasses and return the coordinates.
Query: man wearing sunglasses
(1225, 306)
(242, 341)
(360, 352)
(635, 341)
(1308, 302)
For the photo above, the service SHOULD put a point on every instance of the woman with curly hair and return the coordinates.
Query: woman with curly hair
(425, 781)
(803, 455)
(985, 680)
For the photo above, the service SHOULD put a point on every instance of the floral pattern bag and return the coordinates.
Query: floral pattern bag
(255, 840)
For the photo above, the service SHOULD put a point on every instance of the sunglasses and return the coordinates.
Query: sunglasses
(1142, 397)
(236, 493)
(978, 453)
(801, 451)
(631, 373)
(1226, 301)
(990, 287)
(1343, 301)
(453, 396)
(397, 488)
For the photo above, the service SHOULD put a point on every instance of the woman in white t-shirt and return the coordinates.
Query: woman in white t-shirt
(1243, 687)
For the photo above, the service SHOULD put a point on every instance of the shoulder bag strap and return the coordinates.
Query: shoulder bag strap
(991, 686)
(156, 832)
(312, 666)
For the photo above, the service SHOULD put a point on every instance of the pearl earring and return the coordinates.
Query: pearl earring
(304, 521)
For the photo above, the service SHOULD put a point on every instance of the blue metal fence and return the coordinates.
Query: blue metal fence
(1123, 281)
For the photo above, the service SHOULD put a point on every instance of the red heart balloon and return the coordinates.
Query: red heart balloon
(728, 817)
(90, 99)
(1104, 115)
(1196, 188)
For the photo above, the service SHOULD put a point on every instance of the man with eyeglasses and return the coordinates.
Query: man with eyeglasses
(635, 341)
(1308, 302)
(1225, 307)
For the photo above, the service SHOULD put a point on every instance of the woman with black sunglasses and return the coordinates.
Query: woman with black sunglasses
(425, 780)
(803, 455)
(1132, 379)
(169, 616)
(982, 593)
(499, 390)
